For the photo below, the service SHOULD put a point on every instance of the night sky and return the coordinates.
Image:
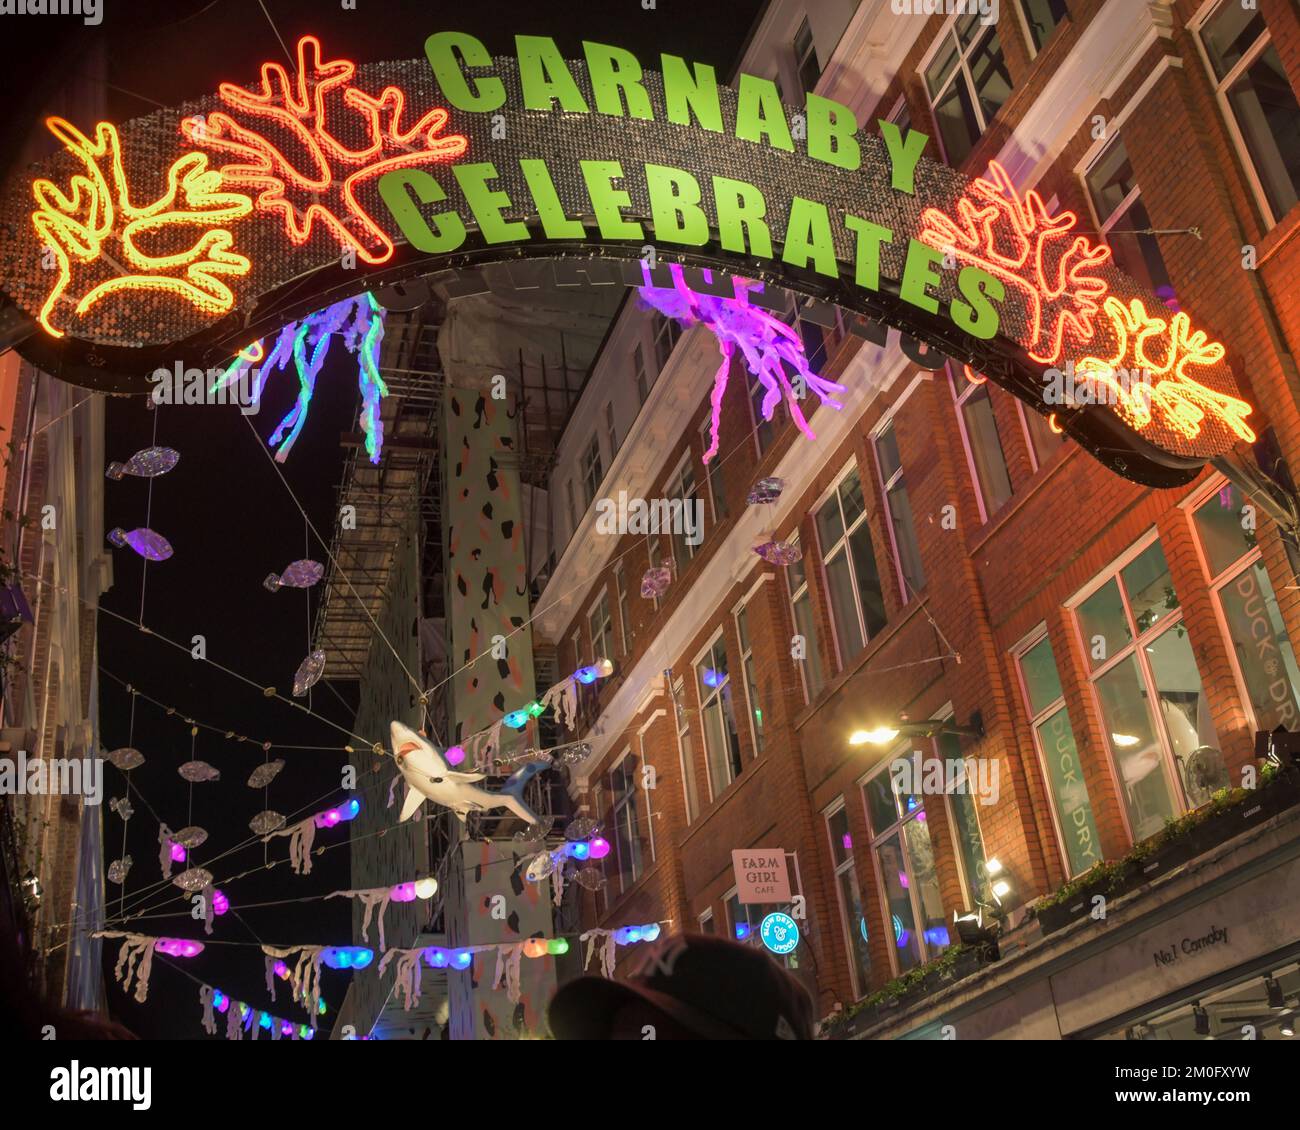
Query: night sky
(224, 509)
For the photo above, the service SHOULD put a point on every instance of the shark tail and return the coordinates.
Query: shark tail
(512, 791)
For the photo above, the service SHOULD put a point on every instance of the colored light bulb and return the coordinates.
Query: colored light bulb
(426, 888)
(403, 892)
(436, 958)
(599, 848)
(651, 932)
(462, 959)
(581, 850)
(516, 719)
(220, 904)
(557, 946)
(585, 675)
(535, 947)
(454, 755)
(178, 853)
(220, 1001)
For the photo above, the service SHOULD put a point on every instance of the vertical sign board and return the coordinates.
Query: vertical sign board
(762, 875)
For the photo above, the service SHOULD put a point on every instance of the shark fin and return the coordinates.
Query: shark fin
(414, 798)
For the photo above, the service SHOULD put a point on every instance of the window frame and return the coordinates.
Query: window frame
(756, 734)
(948, 36)
(591, 460)
(682, 728)
(624, 609)
(832, 494)
(615, 805)
(849, 863)
(968, 390)
(899, 475)
(793, 596)
(719, 637)
(1137, 646)
(1215, 585)
(1018, 653)
(1221, 87)
(607, 631)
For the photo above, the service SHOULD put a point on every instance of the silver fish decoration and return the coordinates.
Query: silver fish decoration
(146, 464)
(263, 775)
(199, 771)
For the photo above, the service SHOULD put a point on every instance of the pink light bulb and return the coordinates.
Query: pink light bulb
(455, 755)
(178, 853)
(599, 848)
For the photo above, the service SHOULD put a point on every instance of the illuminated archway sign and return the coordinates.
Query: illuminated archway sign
(199, 229)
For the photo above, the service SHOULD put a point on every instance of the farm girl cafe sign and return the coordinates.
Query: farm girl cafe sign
(198, 229)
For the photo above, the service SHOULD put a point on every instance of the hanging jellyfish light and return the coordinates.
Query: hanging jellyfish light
(360, 322)
(769, 347)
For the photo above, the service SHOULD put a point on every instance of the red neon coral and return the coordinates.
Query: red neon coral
(1038, 254)
(306, 111)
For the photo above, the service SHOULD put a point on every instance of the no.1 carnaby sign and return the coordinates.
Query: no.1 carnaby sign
(197, 229)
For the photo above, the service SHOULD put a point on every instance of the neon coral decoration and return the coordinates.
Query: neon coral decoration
(1054, 268)
(1036, 254)
(301, 114)
(96, 232)
(359, 322)
(767, 344)
(1183, 401)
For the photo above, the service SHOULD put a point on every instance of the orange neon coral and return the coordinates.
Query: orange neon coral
(1037, 254)
(95, 225)
(1163, 348)
(304, 113)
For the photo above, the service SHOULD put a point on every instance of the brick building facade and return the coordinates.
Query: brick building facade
(1117, 647)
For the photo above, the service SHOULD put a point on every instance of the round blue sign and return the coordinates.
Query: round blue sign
(779, 933)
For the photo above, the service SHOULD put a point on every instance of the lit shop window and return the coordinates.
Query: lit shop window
(1042, 18)
(744, 920)
(642, 380)
(1123, 221)
(751, 680)
(685, 751)
(1153, 710)
(967, 81)
(713, 474)
(666, 333)
(1059, 755)
(852, 921)
(721, 742)
(805, 58)
(624, 612)
(904, 858)
(966, 791)
(1265, 660)
(849, 565)
(630, 845)
(1258, 103)
(979, 433)
(683, 488)
(805, 624)
(593, 473)
(902, 525)
(601, 629)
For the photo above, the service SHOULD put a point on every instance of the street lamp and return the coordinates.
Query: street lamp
(928, 728)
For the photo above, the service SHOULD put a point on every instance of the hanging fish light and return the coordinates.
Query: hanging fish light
(309, 673)
(147, 543)
(146, 464)
(301, 574)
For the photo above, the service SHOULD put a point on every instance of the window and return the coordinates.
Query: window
(642, 381)
(624, 611)
(721, 743)
(666, 333)
(1123, 221)
(1042, 18)
(593, 473)
(979, 433)
(967, 81)
(964, 800)
(713, 475)
(685, 751)
(601, 629)
(682, 487)
(707, 925)
(573, 507)
(901, 116)
(902, 526)
(849, 565)
(611, 432)
(630, 847)
(1153, 710)
(751, 680)
(852, 920)
(1043, 442)
(904, 858)
(1258, 103)
(1059, 755)
(1265, 660)
(805, 58)
(805, 624)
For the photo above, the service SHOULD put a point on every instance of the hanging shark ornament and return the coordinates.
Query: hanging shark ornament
(430, 778)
